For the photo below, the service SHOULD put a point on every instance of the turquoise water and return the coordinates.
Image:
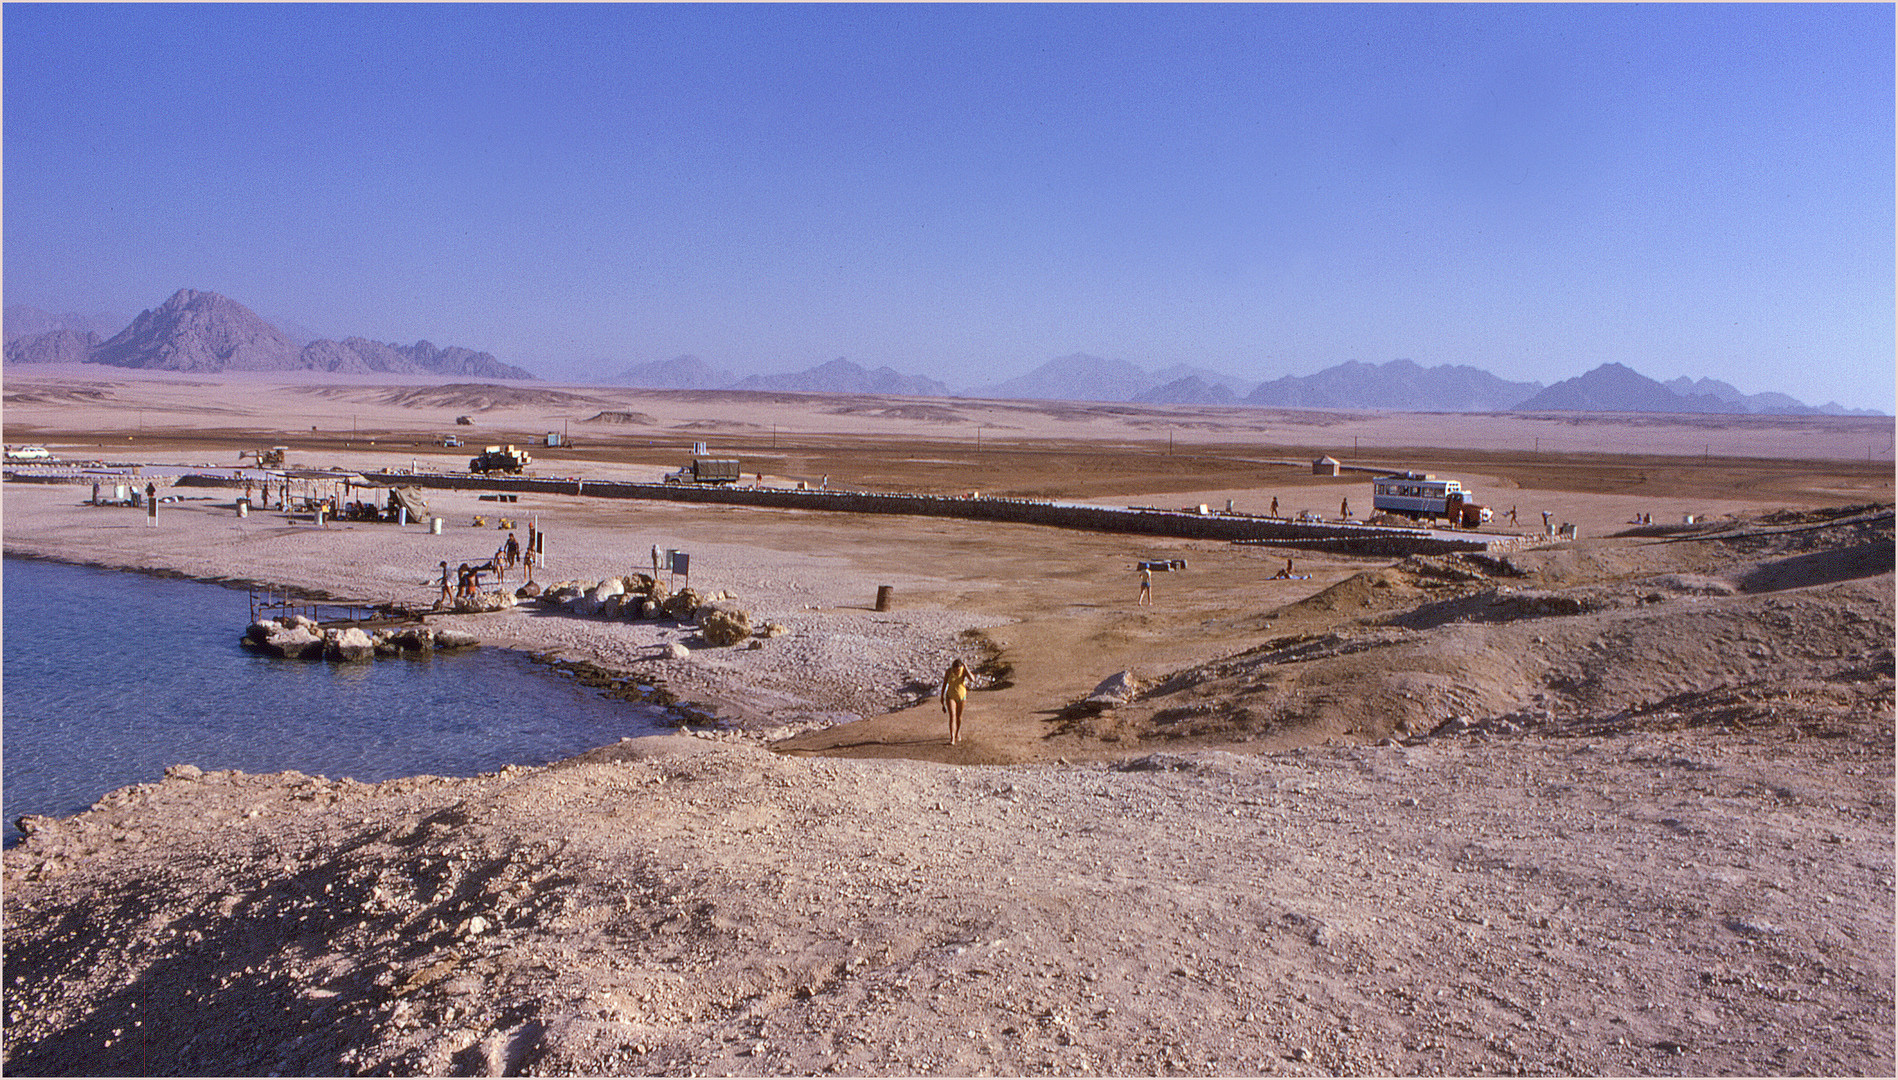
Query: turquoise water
(110, 677)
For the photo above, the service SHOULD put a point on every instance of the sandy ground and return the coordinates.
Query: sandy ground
(1618, 806)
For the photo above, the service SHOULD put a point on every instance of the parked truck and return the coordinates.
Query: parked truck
(266, 459)
(493, 459)
(706, 471)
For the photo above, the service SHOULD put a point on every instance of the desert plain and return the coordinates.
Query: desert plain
(1615, 805)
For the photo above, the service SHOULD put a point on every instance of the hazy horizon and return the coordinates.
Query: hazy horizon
(968, 192)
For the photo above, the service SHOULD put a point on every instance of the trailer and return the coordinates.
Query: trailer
(706, 471)
(1423, 496)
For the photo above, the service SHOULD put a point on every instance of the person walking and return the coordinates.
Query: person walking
(528, 561)
(1344, 507)
(446, 597)
(1275, 506)
(1146, 587)
(955, 691)
(513, 551)
(500, 563)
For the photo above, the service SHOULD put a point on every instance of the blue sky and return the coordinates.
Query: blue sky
(967, 191)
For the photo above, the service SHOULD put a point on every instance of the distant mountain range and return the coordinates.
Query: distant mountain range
(839, 376)
(205, 332)
(1402, 385)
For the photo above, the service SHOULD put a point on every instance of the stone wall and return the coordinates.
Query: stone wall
(1347, 539)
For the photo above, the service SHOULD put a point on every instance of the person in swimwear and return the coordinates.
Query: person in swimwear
(955, 691)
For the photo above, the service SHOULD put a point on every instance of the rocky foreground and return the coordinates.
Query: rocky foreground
(1635, 902)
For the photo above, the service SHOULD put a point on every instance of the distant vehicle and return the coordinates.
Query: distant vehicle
(266, 459)
(1161, 564)
(450, 440)
(1423, 496)
(29, 453)
(706, 471)
(495, 459)
(465, 420)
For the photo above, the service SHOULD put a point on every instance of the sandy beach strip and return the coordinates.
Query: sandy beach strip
(840, 660)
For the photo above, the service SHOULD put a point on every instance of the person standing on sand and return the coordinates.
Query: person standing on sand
(1512, 515)
(1275, 506)
(1344, 507)
(529, 562)
(513, 551)
(955, 691)
(446, 597)
(1146, 587)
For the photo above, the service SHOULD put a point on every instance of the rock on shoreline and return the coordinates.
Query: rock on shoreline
(299, 637)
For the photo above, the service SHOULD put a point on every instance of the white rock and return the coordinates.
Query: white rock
(1118, 689)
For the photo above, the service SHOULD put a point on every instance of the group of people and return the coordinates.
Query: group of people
(467, 577)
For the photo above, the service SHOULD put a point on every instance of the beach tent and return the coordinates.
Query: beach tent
(410, 499)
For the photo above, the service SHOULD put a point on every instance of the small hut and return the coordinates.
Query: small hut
(1327, 466)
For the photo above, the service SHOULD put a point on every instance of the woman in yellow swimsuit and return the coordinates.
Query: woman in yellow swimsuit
(955, 691)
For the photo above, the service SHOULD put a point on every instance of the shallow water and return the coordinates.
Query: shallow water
(109, 677)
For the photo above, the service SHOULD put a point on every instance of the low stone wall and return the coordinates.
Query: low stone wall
(1347, 539)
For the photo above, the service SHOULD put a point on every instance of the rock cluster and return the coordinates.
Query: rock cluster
(639, 596)
(498, 600)
(299, 637)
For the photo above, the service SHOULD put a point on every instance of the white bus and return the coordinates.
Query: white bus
(1422, 495)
